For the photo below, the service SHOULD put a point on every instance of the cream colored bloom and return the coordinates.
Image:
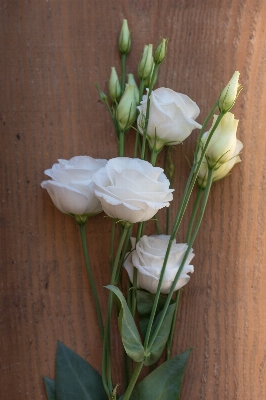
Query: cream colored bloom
(171, 119)
(131, 189)
(148, 258)
(223, 149)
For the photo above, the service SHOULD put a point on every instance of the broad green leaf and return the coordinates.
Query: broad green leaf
(50, 388)
(162, 336)
(75, 378)
(164, 383)
(128, 330)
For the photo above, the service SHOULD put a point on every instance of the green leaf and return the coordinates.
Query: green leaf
(50, 388)
(75, 378)
(164, 383)
(128, 330)
(162, 336)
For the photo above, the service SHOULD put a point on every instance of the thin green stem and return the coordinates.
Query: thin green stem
(136, 144)
(133, 380)
(154, 155)
(91, 279)
(106, 358)
(201, 213)
(148, 111)
(135, 275)
(194, 213)
(158, 229)
(121, 143)
(171, 335)
(123, 68)
(141, 90)
(111, 260)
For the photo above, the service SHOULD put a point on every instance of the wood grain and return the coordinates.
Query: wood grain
(52, 52)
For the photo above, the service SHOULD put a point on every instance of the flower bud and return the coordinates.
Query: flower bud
(124, 42)
(102, 95)
(126, 110)
(160, 52)
(131, 81)
(146, 63)
(229, 94)
(114, 86)
(223, 150)
(147, 82)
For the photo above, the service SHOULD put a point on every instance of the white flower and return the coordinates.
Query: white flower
(71, 186)
(148, 258)
(171, 118)
(131, 189)
(222, 151)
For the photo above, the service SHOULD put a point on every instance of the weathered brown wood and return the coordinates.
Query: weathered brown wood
(52, 52)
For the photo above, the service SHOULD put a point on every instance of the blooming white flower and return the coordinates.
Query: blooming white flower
(131, 189)
(222, 151)
(171, 118)
(71, 186)
(148, 258)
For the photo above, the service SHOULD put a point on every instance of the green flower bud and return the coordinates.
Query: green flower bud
(230, 93)
(102, 95)
(131, 81)
(114, 86)
(148, 82)
(160, 52)
(146, 63)
(124, 42)
(127, 108)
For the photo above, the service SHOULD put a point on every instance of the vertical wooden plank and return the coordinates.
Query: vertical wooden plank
(52, 52)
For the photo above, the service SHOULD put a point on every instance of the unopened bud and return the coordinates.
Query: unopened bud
(127, 108)
(131, 81)
(102, 95)
(114, 86)
(151, 80)
(230, 93)
(160, 52)
(146, 63)
(124, 42)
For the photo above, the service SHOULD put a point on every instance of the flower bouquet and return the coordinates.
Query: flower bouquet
(146, 272)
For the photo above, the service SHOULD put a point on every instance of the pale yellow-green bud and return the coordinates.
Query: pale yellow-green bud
(146, 63)
(148, 82)
(124, 42)
(131, 81)
(114, 86)
(160, 52)
(127, 108)
(230, 93)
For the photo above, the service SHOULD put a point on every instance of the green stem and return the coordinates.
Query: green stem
(136, 144)
(203, 206)
(154, 155)
(106, 358)
(148, 111)
(121, 143)
(112, 244)
(135, 275)
(158, 229)
(194, 213)
(133, 380)
(91, 279)
(141, 90)
(171, 335)
(123, 68)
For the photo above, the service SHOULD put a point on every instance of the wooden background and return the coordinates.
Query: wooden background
(52, 52)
